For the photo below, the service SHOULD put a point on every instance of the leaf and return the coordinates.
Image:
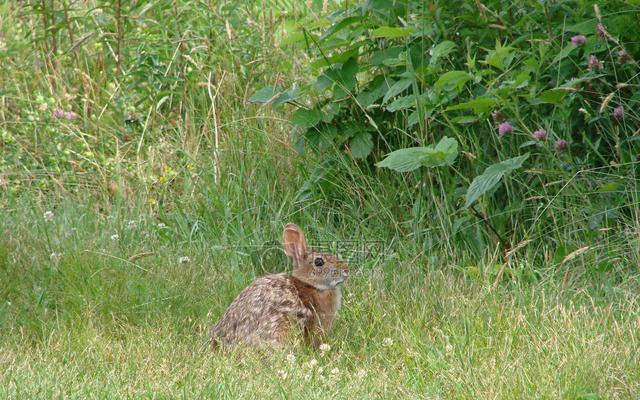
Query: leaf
(452, 80)
(480, 105)
(361, 145)
(500, 57)
(563, 53)
(404, 160)
(491, 177)
(551, 96)
(402, 103)
(390, 32)
(335, 28)
(586, 28)
(346, 78)
(287, 96)
(305, 119)
(264, 95)
(441, 50)
(397, 88)
(375, 89)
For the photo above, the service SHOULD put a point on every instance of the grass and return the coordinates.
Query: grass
(125, 234)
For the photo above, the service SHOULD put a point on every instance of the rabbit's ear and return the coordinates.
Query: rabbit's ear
(293, 241)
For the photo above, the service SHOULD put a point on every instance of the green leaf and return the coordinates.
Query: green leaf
(491, 177)
(375, 89)
(397, 88)
(402, 103)
(404, 160)
(452, 80)
(441, 50)
(264, 95)
(551, 96)
(287, 96)
(563, 53)
(361, 145)
(500, 57)
(480, 105)
(306, 119)
(390, 32)
(586, 28)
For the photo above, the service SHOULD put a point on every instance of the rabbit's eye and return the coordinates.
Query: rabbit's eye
(318, 262)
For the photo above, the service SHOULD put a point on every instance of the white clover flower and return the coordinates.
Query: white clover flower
(320, 370)
(291, 358)
(324, 348)
(115, 237)
(131, 224)
(183, 260)
(311, 364)
(448, 349)
(361, 373)
(307, 377)
(48, 216)
(55, 257)
(161, 225)
(282, 374)
(387, 342)
(335, 371)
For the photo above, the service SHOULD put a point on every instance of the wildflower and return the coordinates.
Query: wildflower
(70, 115)
(55, 257)
(618, 113)
(594, 64)
(387, 342)
(540, 134)
(601, 31)
(48, 216)
(58, 113)
(561, 145)
(183, 260)
(291, 358)
(115, 237)
(361, 373)
(578, 40)
(311, 364)
(504, 128)
(161, 225)
(131, 224)
(307, 377)
(622, 57)
(335, 372)
(448, 349)
(282, 374)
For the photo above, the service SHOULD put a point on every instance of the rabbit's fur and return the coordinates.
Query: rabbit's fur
(274, 308)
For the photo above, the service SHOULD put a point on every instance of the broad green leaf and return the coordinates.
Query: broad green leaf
(361, 145)
(305, 119)
(397, 88)
(452, 80)
(292, 38)
(551, 96)
(346, 78)
(378, 57)
(390, 32)
(287, 96)
(465, 119)
(586, 28)
(404, 160)
(264, 95)
(441, 50)
(563, 53)
(500, 57)
(335, 28)
(491, 177)
(480, 105)
(402, 103)
(375, 89)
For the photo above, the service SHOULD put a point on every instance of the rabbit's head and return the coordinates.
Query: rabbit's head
(320, 270)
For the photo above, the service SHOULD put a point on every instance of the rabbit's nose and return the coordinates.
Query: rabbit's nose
(345, 273)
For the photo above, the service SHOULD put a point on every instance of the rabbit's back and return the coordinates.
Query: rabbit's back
(263, 313)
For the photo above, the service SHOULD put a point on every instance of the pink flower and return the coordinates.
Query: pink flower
(504, 128)
(594, 64)
(70, 115)
(622, 57)
(58, 113)
(578, 40)
(540, 134)
(601, 31)
(561, 145)
(618, 113)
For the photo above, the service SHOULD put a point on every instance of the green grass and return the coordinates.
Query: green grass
(95, 303)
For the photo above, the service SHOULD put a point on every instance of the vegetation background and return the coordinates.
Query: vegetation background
(151, 151)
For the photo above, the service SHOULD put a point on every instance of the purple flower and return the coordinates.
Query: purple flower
(594, 64)
(70, 115)
(561, 145)
(622, 57)
(601, 31)
(578, 40)
(540, 134)
(58, 113)
(618, 113)
(504, 128)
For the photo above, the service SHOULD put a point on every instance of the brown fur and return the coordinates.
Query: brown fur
(276, 307)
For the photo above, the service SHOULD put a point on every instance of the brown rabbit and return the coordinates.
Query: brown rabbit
(273, 308)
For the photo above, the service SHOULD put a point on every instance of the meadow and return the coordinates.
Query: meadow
(152, 151)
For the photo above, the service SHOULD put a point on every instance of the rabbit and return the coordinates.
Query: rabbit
(277, 307)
